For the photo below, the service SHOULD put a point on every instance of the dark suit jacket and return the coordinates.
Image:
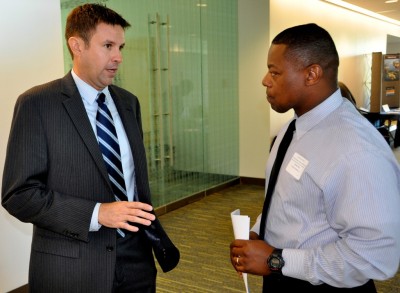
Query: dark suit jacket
(54, 175)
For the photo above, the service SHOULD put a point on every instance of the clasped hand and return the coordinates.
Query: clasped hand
(121, 214)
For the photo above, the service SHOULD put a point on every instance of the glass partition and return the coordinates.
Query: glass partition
(181, 60)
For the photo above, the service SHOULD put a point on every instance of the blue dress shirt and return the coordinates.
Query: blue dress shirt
(335, 210)
(89, 96)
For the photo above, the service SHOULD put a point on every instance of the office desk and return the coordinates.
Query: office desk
(386, 123)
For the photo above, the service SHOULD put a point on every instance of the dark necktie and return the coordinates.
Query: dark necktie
(280, 155)
(109, 146)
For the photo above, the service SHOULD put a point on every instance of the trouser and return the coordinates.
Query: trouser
(279, 283)
(135, 269)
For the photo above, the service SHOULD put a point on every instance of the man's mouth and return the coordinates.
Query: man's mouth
(112, 70)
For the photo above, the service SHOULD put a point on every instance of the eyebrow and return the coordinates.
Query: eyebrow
(114, 43)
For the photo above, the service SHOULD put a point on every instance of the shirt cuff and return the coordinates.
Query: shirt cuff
(294, 263)
(94, 223)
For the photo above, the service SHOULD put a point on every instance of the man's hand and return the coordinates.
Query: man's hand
(121, 214)
(250, 256)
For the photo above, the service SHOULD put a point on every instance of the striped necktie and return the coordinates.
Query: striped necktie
(109, 146)
(273, 177)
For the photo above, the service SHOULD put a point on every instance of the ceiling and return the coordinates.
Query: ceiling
(391, 10)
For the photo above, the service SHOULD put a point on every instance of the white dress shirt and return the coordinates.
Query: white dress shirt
(335, 210)
(89, 96)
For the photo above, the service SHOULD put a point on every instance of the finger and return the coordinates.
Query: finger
(138, 220)
(238, 243)
(238, 265)
(133, 214)
(234, 244)
(239, 261)
(139, 205)
(127, 226)
(236, 251)
(234, 261)
(135, 210)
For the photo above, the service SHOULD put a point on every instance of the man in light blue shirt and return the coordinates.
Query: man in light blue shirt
(333, 222)
(89, 96)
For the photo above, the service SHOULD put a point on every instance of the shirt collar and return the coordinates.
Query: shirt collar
(308, 120)
(87, 92)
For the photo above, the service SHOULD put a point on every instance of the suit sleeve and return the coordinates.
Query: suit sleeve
(25, 191)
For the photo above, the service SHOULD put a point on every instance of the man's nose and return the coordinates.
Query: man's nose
(266, 81)
(117, 57)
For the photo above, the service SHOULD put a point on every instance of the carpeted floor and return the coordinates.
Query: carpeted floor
(203, 231)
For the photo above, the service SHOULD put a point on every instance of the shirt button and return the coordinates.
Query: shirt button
(109, 248)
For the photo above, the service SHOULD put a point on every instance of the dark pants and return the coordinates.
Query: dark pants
(275, 283)
(135, 270)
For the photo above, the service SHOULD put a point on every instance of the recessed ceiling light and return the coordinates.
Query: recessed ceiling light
(353, 7)
(391, 1)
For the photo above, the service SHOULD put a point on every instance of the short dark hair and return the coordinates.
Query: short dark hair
(310, 44)
(83, 20)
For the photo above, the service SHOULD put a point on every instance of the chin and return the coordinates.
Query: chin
(279, 109)
(108, 82)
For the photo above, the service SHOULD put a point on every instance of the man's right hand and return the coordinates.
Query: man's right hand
(121, 214)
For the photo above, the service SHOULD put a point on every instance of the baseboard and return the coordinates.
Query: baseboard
(197, 196)
(194, 197)
(252, 181)
(22, 289)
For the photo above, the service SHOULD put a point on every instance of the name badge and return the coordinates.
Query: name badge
(297, 165)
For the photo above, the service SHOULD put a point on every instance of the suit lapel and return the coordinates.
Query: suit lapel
(128, 119)
(132, 126)
(77, 112)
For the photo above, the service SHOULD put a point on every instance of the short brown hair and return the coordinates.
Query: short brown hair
(83, 20)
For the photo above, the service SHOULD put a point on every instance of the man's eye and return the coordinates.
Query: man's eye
(108, 46)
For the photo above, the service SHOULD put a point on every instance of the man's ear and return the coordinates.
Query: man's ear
(76, 45)
(313, 74)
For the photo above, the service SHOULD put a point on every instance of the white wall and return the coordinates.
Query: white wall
(253, 106)
(31, 53)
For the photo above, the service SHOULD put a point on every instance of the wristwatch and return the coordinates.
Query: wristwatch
(275, 261)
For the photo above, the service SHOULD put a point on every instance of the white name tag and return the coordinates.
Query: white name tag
(296, 166)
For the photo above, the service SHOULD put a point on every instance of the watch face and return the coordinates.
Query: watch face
(275, 261)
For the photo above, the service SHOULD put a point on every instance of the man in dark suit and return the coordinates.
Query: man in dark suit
(55, 176)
